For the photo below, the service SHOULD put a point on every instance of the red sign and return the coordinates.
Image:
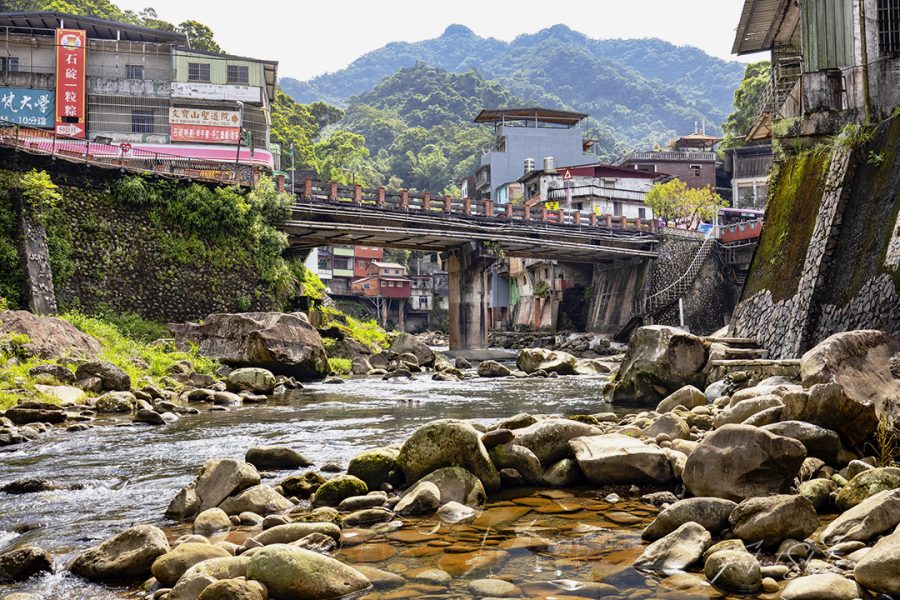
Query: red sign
(567, 175)
(209, 134)
(70, 88)
(126, 148)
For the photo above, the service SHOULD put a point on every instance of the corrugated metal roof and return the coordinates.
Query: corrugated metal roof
(758, 25)
(544, 115)
(96, 28)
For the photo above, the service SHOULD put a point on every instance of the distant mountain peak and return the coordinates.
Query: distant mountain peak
(457, 30)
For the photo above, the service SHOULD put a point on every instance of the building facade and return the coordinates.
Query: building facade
(690, 158)
(750, 167)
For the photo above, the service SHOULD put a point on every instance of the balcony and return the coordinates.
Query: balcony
(596, 191)
(670, 156)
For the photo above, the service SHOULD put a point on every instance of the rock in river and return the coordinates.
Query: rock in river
(276, 457)
(169, 567)
(21, 563)
(531, 360)
(377, 466)
(616, 458)
(879, 569)
(447, 443)
(338, 489)
(112, 378)
(125, 556)
(774, 518)
(676, 551)
(291, 573)
(711, 513)
(251, 379)
(549, 439)
(408, 343)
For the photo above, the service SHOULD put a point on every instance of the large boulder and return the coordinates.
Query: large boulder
(115, 402)
(284, 343)
(126, 556)
(819, 442)
(734, 570)
(221, 478)
(676, 551)
(828, 405)
(520, 458)
(447, 443)
(406, 343)
(251, 379)
(741, 461)
(688, 397)
(659, 361)
(48, 337)
(203, 574)
(549, 439)
(424, 498)
(21, 563)
(455, 484)
(773, 519)
(339, 488)
(738, 412)
(871, 517)
(169, 567)
(821, 586)
(616, 458)
(879, 569)
(377, 466)
(491, 368)
(291, 573)
(276, 457)
(291, 532)
(259, 499)
(711, 513)
(865, 484)
(860, 362)
(111, 377)
(549, 361)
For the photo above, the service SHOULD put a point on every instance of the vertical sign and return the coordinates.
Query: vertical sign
(70, 88)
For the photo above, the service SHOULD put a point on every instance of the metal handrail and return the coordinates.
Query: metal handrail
(701, 255)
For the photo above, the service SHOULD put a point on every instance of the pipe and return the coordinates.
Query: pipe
(864, 55)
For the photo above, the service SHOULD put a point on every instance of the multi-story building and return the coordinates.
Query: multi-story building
(690, 158)
(526, 133)
(384, 280)
(421, 293)
(750, 166)
(363, 256)
(134, 89)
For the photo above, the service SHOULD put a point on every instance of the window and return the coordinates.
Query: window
(617, 209)
(390, 284)
(889, 26)
(10, 64)
(198, 71)
(645, 168)
(323, 264)
(343, 263)
(142, 120)
(642, 213)
(135, 71)
(695, 170)
(384, 284)
(423, 301)
(239, 74)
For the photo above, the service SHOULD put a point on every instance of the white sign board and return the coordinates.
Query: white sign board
(197, 116)
(216, 91)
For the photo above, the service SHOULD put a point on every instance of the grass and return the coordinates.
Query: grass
(341, 366)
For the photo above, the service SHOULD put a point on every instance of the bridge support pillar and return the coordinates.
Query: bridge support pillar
(467, 268)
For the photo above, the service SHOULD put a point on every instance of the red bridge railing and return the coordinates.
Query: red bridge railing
(425, 203)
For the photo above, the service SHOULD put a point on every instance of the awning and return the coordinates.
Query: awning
(758, 26)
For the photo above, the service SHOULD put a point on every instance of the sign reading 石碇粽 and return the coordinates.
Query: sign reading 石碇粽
(70, 87)
(205, 117)
(24, 106)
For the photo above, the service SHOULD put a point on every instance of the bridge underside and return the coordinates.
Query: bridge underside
(313, 225)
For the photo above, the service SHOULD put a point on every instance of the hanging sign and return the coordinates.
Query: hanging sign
(70, 78)
(24, 106)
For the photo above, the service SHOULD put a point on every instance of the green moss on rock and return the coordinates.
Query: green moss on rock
(339, 488)
(377, 466)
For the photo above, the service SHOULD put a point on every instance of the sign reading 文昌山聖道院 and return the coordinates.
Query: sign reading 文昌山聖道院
(24, 106)
(206, 117)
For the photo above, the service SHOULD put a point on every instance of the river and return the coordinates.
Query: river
(130, 473)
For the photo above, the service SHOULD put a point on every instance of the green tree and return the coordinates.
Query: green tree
(674, 200)
(344, 158)
(747, 99)
(200, 36)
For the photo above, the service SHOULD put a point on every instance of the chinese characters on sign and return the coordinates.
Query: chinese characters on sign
(27, 106)
(202, 125)
(70, 88)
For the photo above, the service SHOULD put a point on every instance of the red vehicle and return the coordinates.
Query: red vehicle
(736, 225)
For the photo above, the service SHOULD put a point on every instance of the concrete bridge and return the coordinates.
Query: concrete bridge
(470, 235)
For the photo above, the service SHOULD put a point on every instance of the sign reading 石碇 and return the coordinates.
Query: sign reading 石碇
(70, 87)
(209, 118)
(24, 106)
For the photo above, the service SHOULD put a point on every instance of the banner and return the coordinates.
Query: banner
(70, 87)
(205, 117)
(216, 91)
(205, 133)
(27, 106)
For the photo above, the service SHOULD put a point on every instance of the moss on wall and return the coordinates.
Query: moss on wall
(797, 191)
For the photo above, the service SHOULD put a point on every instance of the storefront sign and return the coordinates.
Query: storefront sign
(205, 133)
(205, 117)
(70, 87)
(27, 106)
(216, 91)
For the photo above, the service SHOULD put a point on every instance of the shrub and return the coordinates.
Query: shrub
(341, 366)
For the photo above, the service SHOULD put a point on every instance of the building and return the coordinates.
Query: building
(690, 158)
(385, 280)
(522, 134)
(134, 90)
(336, 268)
(591, 188)
(421, 293)
(750, 167)
(828, 56)
(363, 256)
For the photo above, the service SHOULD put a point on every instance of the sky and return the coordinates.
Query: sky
(311, 38)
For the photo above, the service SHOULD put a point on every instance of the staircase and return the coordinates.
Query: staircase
(654, 303)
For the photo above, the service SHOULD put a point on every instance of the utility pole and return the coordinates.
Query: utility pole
(237, 157)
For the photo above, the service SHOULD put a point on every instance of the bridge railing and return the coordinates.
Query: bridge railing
(426, 203)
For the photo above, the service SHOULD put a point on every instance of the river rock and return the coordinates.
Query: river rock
(211, 521)
(125, 556)
(251, 379)
(260, 499)
(562, 473)
(115, 402)
(455, 512)
(21, 563)
(531, 360)
(112, 377)
(549, 439)
(202, 575)
(370, 500)
(422, 499)
(64, 394)
(408, 343)
(740, 461)
(23, 414)
(447, 443)
(493, 588)
(169, 567)
(291, 532)
(874, 515)
(822, 586)
(820, 442)
(866, 484)
(670, 425)
(520, 458)
(234, 589)
(676, 551)
(828, 406)
(617, 458)
(291, 573)
(276, 457)
(339, 488)
(818, 492)
(149, 417)
(860, 362)
(48, 337)
(659, 360)
(491, 368)
(377, 466)
(774, 518)
(687, 396)
(740, 411)
(733, 570)
(457, 485)
(221, 478)
(711, 513)
(302, 486)
(284, 343)
(879, 568)
(496, 437)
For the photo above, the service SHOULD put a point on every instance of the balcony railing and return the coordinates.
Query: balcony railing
(596, 191)
(671, 155)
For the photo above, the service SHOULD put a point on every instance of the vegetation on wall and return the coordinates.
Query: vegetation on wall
(747, 100)
(675, 200)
